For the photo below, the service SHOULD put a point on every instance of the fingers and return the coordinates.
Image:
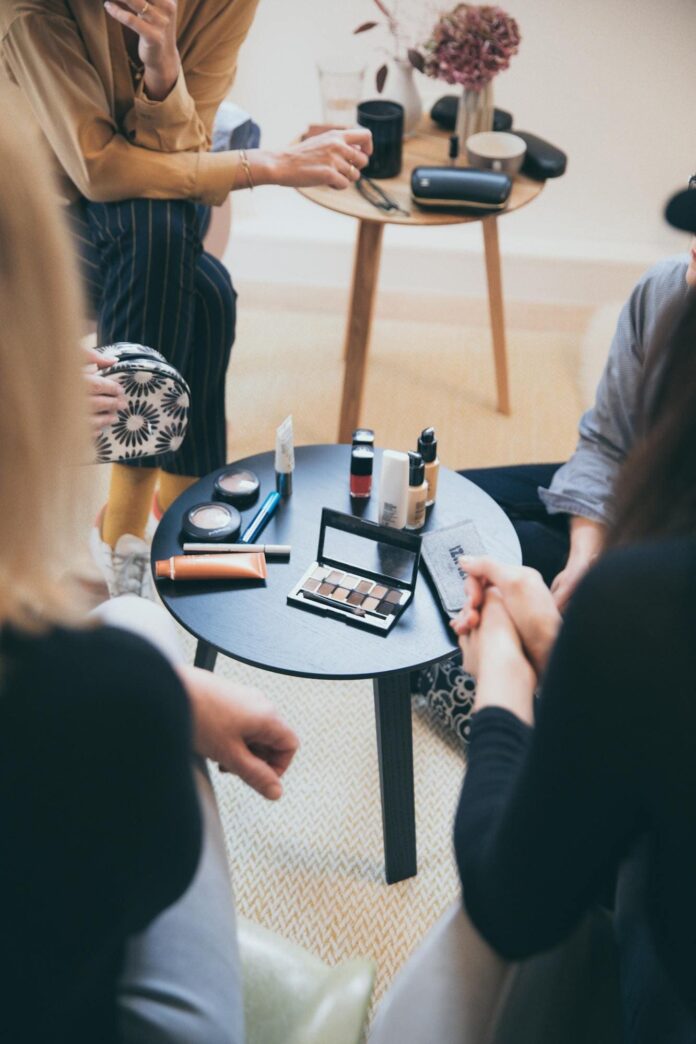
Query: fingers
(353, 156)
(104, 404)
(257, 774)
(349, 172)
(95, 358)
(561, 594)
(485, 568)
(148, 28)
(360, 137)
(475, 591)
(102, 388)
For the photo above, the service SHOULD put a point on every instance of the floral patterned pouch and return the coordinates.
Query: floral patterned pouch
(155, 420)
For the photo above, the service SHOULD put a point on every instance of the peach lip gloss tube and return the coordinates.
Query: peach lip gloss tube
(250, 566)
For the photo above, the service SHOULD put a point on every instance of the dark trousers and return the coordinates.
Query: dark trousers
(149, 281)
(544, 538)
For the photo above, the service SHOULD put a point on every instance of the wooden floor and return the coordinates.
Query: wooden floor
(430, 362)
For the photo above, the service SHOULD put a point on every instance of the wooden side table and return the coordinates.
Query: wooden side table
(428, 147)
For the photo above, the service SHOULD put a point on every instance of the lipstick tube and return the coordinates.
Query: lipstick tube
(251, 566)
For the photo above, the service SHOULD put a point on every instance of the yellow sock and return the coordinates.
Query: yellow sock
(171, 486)
(129, 503)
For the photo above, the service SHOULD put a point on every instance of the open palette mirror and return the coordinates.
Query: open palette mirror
(364, 574)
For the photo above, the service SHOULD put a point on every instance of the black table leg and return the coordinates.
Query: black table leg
(206, 655)
(395, 751)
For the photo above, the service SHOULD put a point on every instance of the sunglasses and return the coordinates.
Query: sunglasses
(378, 197)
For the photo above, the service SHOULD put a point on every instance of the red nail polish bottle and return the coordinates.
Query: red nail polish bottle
(361, 461)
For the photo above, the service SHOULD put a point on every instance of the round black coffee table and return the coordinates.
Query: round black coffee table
(253, 623)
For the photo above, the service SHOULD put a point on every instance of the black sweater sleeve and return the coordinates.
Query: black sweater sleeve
(546, 813)
(100, 819)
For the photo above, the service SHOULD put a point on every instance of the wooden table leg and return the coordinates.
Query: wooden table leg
(395, 751)
(495, 304)
(206, 655)
(365, 274)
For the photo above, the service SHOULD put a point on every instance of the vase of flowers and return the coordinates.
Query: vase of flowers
(469, 46)
(394, 79)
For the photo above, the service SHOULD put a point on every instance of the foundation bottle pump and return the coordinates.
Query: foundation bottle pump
(417, 491)
(427, 447)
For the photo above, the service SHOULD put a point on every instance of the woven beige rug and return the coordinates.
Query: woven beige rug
(310, 867)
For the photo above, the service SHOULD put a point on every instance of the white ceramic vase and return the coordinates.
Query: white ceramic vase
(475, 114)
(400, 87)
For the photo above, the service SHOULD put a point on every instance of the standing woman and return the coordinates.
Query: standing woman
(126, 93)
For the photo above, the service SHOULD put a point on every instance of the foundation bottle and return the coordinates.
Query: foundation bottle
(427, 447)
(417, 491)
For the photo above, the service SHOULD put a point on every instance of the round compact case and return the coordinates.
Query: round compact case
(156, 417)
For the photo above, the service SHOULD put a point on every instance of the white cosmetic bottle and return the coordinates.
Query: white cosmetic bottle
(393, 489)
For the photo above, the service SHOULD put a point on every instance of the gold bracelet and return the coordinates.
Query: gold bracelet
(247, 168)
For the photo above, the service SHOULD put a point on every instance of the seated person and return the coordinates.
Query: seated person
(601, 776)
(561, 512)
(125, 93)
(116, 909)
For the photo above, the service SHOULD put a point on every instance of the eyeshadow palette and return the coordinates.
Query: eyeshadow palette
(360, 592)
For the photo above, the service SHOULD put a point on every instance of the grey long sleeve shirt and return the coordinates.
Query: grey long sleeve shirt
(584, 486)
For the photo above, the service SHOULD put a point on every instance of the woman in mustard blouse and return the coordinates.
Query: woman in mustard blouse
(125, 95)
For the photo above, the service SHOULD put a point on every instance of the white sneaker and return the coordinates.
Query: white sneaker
(126, 568)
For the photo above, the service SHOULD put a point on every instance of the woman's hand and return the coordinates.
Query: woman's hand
(106, 397)
(493, 653)
(526, 597)
(154, 21)
(238, 727)
(334, 158)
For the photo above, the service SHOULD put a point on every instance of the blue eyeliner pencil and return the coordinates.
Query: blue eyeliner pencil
(262, 516)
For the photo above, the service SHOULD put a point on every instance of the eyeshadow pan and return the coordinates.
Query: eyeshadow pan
(365, 586)
(394, 596)
(379, 590)
(326, 589)
(350, 581)
(334, 576)
(319, 573)
(311, 584)
(387, 608)
(355, 598)
(340, 594)
(371, 604)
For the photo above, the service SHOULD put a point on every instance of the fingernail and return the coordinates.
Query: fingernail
(465, 558)
(274, 791)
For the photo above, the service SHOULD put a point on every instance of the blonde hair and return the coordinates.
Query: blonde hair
(44, 432)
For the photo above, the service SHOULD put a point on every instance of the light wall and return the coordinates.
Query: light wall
(609, 81)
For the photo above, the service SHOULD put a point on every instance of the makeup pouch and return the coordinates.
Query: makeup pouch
(441, 549)
(155, 420)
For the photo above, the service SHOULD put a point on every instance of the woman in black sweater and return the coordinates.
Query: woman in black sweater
(116, 914)
(596, 783)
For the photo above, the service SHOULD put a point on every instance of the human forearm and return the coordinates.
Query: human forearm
(586, 538)
(586, 542)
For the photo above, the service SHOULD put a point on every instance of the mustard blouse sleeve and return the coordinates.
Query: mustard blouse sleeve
(208, 47)
(46, 58)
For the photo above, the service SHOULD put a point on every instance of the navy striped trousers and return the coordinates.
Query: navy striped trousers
(149, 281)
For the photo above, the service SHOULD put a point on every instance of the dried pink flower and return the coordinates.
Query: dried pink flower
(471, 44)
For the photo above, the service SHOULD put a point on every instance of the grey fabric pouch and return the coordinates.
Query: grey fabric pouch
(440, 551)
